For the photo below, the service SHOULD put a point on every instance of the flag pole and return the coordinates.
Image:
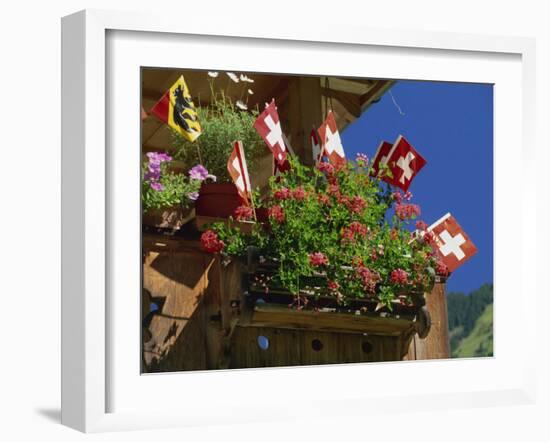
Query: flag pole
(253, 206)
(199, 151)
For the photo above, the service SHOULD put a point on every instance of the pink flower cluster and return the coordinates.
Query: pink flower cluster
(323, 199)
(355, 204)
(407, 211)
(277, 213)
(318, 259)
(400, 197)
(211, 243)
(282, 194)
(441, 268)
(334, 190)
(299, 194)
(326, 168)
(243, 213)
(368, 278)
(421, 225)
(362, 159)
(355, 229)
(399, 276)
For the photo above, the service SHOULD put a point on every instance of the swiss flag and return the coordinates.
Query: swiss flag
(403, 161)
(451, 242)
(315, 146)
(380, 157)
(269, 127)
(236, 166)
(331, 142)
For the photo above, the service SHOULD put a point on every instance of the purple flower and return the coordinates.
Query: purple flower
(193, 196)
(153, 169)
(153, 172)
(158, 157)
(155, 185)
(148, 176)
(199, 172)
(362, 157)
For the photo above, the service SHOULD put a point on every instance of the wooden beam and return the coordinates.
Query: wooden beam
(279, 92)
(351, 85)
(349, 101)
(375, 92)
(270, 315)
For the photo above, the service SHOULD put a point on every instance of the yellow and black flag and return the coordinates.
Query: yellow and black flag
(177, 110)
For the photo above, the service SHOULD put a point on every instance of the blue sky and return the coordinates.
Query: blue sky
(451, 125)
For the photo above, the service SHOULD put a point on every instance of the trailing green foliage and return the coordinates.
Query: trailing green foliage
(332, 222)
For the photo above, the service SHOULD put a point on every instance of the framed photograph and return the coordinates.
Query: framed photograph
(258, 218)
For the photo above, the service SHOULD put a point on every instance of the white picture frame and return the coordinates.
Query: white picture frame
(91, 368)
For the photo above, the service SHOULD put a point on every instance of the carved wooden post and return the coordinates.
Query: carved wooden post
(436, 345)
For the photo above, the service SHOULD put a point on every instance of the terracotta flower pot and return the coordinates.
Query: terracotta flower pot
(217, 200)
(170, 218)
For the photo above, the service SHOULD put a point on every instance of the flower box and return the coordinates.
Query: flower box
(271, 306)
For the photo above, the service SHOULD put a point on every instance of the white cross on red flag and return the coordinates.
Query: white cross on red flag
(331, 142)
(268, 126)
(238, 171)
(403, 161)
(451, 242)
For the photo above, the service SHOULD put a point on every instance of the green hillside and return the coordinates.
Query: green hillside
(471, 322)
(480, 341)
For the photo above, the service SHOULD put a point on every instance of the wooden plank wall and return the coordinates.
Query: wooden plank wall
(296, 347)
(196, 326)
(176, 283)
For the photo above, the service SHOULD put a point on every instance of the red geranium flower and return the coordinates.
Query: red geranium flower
(318, 259)
(421, 225)
(358, 228)
(243, 213)
(326, 167)
(333, 189)
(277, 213)
(399, 276)
(429, 238)
(299, 194)
(211, 243)
(347, 235)
(368, 278)
(323, 199)
(407, 211)
(356, 204)
(333, 285)
(282, 194)
(441, 268)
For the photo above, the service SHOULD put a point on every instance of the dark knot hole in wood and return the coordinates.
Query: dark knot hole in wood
(316, 345)
(366, 346)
